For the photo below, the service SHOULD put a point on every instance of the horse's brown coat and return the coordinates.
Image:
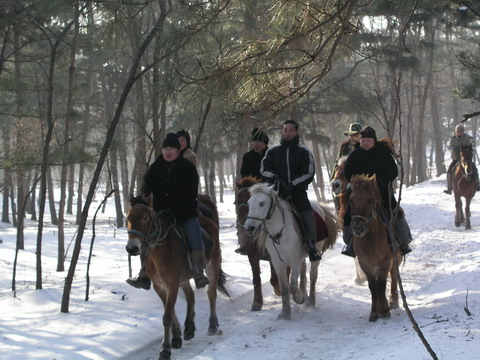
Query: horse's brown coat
(370, 243)
(464, 185)
(167, 266)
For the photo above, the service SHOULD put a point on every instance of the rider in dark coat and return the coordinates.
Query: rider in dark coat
(370, 158)
(173, 183)
(252, 159)
(293, 164)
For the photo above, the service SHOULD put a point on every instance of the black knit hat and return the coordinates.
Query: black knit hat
(258, 135)
(368, 132)
(186, 135)
(171, 140)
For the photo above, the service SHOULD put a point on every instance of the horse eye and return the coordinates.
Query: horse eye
(262, 203)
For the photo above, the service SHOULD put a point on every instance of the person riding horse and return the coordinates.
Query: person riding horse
(251, 161)
(173, 182)
(346, 148)
(370, 158)
(293, 165)
(458, 139)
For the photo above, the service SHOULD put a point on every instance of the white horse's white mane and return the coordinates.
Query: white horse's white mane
(268, 190)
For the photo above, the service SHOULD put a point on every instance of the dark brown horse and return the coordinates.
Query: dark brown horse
(464, 182)
(339, 186)
(167, 266)
(253, 252)
(370, 242)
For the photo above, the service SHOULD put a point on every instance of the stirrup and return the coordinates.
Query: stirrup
(348, 251)
(314, 255)
(201, 282)
(242, 250)
(139, 282)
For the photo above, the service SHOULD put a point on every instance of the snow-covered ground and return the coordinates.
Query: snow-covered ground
(441, 278)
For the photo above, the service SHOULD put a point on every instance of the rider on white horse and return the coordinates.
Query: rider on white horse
(293, 165)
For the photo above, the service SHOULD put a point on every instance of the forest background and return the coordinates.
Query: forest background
(88, 90)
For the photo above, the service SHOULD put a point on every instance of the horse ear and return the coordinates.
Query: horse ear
(132, 199)
(149, 200)
(237, 185)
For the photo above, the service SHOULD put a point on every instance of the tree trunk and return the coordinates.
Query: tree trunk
(103, 155)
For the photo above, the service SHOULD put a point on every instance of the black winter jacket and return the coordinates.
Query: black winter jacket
(379, 161)
(174, 186)
(291, 161)
(251, 162)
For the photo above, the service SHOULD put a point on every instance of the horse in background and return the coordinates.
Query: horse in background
(167, 266)
(253, 251)
(340, 187)
(370, 242)
(464, 181)
(284, 241)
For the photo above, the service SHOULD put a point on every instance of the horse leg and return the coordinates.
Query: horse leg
(311, 300)
(297, 294)
(168, 320)
(372, 286)
(274, 280)
(254, 259)
(212, 299)
(383, 309)
(468, 200)
(281, 270)
(189, 331)
(458, 210)
(360, 275)
(393, 301)
(303, 279)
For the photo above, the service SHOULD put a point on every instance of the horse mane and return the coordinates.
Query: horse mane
(247, 181)
(134, 200)
(365, 182)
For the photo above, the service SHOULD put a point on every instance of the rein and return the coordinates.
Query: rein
(154, 238)
(273, 205)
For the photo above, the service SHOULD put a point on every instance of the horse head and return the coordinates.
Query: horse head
(261, 205)
(364, 201)
(339, 182)
(466, 159)
(241, 198)
(139, 223)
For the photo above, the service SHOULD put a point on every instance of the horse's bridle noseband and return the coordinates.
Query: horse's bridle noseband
(154, 238)
(273, 205)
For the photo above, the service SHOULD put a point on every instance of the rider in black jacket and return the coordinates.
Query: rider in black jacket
(292, 164)
(370, 158)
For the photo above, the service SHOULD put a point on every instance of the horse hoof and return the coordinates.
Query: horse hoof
(164, 355)
(284, 316)
(189, 333)
(457, 224)
(176, 343)
(468, 227)
(212, 331)
(373, 318)
(256, 306)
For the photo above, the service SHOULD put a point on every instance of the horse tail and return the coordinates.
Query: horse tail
(332, 227)
(222, 283)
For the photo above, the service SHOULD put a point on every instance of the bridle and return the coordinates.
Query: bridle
(154, 237)
(371, 217)
(239, 206)
(273, 205)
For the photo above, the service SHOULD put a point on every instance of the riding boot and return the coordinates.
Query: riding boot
(347, 239)
(449, 184)
(310, 229)
(404, 236)
(141, 281)
(477, 179)
(198, 265)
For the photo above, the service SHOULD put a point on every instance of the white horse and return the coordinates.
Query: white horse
(270, 213)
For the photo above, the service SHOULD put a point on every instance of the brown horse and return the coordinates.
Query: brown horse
(464, 182)
(339, 189)
(253, 252)
(370, 242)
(167, 266)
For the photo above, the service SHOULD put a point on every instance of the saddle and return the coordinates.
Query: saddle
(321, 227)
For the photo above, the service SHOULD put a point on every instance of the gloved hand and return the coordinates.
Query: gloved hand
(285, 190)
(168, 214)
